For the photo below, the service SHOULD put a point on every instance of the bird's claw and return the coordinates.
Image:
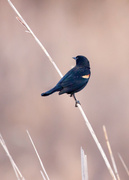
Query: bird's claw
(76, 103)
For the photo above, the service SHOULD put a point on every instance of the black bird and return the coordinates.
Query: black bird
(74, 80)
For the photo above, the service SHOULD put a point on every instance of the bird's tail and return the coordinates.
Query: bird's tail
(51, 91)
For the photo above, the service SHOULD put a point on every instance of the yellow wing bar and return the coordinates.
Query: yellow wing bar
(86, 76)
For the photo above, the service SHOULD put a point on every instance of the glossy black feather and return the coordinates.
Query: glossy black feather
(74, 80)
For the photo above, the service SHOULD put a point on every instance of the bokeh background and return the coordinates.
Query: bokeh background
(98, 29)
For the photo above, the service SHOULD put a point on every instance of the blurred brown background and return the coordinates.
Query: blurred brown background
(100, 31)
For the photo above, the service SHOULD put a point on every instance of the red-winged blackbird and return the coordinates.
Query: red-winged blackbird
(74, 80)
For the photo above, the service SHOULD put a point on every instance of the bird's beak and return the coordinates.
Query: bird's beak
(74, 58)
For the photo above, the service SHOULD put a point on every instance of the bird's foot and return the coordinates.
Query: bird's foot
(76, 103)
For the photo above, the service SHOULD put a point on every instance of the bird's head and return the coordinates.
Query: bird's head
(82, 61)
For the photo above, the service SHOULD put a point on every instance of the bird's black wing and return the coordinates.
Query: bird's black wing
(74, 80)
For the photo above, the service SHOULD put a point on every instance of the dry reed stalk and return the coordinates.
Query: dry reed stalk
(123, 163)
(84, 165)
(22, 21)
(15, 168)
(44, 173)
(111, 154)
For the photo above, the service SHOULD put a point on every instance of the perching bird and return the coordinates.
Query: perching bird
(74, 80)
